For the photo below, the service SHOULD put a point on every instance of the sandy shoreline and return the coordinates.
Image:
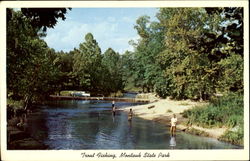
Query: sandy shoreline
(163, 109)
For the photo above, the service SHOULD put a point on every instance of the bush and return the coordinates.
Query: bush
(235, 137)
(15, 104)
(225, 111)
(162, 87)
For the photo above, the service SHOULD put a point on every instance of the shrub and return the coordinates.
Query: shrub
(225, 111)
(15, 104)
(235, 137)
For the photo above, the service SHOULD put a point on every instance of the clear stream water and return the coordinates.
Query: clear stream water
(91, 125)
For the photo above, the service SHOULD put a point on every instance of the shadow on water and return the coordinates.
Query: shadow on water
(91, 125)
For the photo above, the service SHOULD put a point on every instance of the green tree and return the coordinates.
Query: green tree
(190, 71)
(127, 67)
(65, 77)
(147, 72)
(225, 47)
(111, 63)
(30, 69)
(44, 17)
(86, 64)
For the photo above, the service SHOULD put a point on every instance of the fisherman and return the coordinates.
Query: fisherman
(113, 110)
(173, 125)
(130, 114)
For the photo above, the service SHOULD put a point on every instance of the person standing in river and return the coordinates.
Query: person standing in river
(113, 110)
(173, 125)
(113, 107)
(130, 114)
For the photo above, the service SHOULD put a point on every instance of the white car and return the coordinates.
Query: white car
(80, 94)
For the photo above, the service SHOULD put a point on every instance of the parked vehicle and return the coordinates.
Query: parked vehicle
(80, 94)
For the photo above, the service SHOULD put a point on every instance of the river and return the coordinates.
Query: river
(90, 125)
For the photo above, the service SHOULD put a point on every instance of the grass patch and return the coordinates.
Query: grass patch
(15, 104)
(235, 137)
(226, 111)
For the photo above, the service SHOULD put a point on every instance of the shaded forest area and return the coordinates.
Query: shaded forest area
(188, 53)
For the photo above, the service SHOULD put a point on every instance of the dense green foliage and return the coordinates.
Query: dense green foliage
(187, 53)
(225, 111)
(112, 71)
(142, 69)
(44, 17)
(30, 69)
(86, 63)
(34, 71)
(235, 137)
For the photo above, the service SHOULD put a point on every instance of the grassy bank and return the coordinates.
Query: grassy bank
(16, 104)
(14, 107)
(226, 111)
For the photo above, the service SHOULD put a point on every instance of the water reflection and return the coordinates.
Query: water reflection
(91, 125)
(130, 124)
(113, 118)
(172, 142)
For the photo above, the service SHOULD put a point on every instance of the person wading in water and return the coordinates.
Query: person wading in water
(113, 107)
(130, 114)
(113, 110)
(173, 125)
